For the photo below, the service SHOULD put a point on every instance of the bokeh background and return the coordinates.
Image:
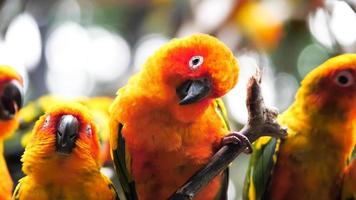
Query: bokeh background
(91, 47)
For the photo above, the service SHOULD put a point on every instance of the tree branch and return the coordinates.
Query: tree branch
(261, 122)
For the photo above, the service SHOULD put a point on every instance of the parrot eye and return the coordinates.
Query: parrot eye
(46, 122)
(195, 62)
(344, 79)
(88, 130)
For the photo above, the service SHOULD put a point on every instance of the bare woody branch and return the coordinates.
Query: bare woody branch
(261, 122)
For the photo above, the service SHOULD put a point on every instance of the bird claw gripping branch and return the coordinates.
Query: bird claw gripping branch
(236, 138)
(261, 122)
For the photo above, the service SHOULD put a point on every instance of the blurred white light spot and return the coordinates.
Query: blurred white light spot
(210, 13)
(69, 82)
(23, 39)
(229, 35)
(103, 54)
(9, 59)
(236, 98)
(107, 171)
(310, 57)
(67, 47)
(146, 47)
(187, 29)
(282, 9)
(318, 25)
(231, 191)
(109, 54)
(343, 23)
(286, 85)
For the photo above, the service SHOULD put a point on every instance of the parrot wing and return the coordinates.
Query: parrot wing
(112, 188)
(260, 168)
(122, 163)
(221, 111)
(16, 194)
(122, 160)
(349, 179)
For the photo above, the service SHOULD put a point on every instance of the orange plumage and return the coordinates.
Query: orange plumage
(349, 182)
(56, 170)
(167, 139)
(7, 127)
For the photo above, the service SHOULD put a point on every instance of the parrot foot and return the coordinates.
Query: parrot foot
(238, 138)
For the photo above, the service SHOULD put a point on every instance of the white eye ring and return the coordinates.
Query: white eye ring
(89, 131)
(344, 79)
(195, 62)
(46, 122)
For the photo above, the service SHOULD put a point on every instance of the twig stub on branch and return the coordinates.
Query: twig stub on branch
(261, 122)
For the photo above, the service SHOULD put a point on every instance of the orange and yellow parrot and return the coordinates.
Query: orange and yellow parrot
(168, 120)
(61, 160)
(11, 96)
(311, 162)
(98, 107)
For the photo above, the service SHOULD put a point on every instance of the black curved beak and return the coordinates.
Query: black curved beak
(192, 91)
(11, 98)
(67, 133)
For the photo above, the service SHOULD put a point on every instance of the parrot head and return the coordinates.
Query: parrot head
(193, 71)
(331, 88)
(11, 99)
(66, 136)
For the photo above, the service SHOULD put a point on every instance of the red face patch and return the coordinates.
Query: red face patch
(187, 62)
(86, 131)
(336, 89)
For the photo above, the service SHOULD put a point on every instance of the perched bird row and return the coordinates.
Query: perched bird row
(169, 120)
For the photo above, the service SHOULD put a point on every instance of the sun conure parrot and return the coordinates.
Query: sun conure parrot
(310, 162)
(98, 107)
(11, 97)
(168, 120)
(61, 160)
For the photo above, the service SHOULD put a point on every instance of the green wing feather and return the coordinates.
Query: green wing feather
(261, 166)
(112, 188)
(221, 111)
(16, 194)
(122, 163)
